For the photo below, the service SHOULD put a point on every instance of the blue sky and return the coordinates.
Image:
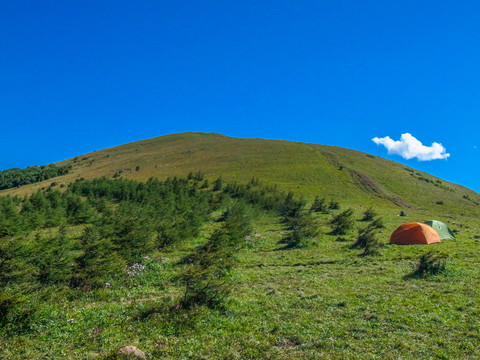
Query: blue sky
(78, 76)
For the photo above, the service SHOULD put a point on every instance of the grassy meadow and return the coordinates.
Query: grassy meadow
(321, 300)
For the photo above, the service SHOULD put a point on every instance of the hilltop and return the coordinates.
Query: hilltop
(308, 169)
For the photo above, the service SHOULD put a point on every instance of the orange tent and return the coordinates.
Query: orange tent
(414, 233)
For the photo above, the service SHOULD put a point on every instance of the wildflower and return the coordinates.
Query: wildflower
(107, 285)
(135, 269)
(70, 320)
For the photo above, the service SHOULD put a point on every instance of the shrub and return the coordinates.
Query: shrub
(304, 227)
(291, 207)
(342, 222)
(16, 265)
(131, 231)
(206, 279)
(98, 261)
(430, 263)
(16, 310)
(368, 241)
(55, 258)
(7, 228)
(364, 236)
(218, 184)
(77, 210)
(319, 205)
(368, 215)
(377, 223)
(334, 205)
(237, 221)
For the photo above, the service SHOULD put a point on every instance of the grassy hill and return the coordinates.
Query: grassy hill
(307, 169)
(325, 299)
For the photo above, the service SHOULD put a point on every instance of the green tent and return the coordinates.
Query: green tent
(442, 229)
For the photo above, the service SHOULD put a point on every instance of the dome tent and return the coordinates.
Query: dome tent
(442, 229)
(414, 233)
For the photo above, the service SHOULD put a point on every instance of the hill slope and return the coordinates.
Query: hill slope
(308, 169)
(103, 264)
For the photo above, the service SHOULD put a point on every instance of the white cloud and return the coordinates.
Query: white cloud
(409, 147)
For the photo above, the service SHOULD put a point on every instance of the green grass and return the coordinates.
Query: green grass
(320, 301)
(323, 301)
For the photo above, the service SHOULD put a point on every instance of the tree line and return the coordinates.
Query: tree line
(15, 177)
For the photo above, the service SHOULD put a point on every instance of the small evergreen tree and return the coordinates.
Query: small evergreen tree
(7, 228)
(218, 184)
(430, 263)
(377, 223)
(369, 214)
(334, 205)
(319, 205)
(206, 278)
(17, 310)
(131, 231)
(342, 222)
(291, 207)
(303, 228)
(237, 221)
(78, 211)
(16, 265)
(55, 258)
(98, 261)
(368, 241)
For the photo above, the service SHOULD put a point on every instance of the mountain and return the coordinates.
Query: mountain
(307, 169)
(186, 269)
